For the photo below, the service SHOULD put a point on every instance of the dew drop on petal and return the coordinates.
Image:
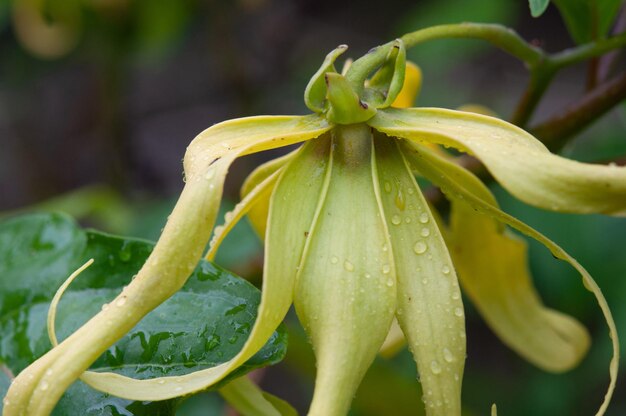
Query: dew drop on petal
(121, 301)
(390, 282)
(445, 270)
(425, 232)
(396, 220)
(348, 266)
(334, 259)
(44, 385)
(420, 247)
(435, 367)
(458, 312)
(447, 355)
(424, 218)
(386, 268)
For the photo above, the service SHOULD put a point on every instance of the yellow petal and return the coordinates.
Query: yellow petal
(411, 87)
(346, 289)
(518, 161)
(430, 309)
(455, 183)
(493, 269)
(173, 259)
(259, 211)
(249, 400)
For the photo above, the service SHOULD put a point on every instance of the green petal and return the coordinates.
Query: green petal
(315, 92)
(260, 194)
(37, 389)
(249, 400)
(456, 182)
(346, 288)
(516, 159)
(493, 269)
(259, 211)
(430, 309)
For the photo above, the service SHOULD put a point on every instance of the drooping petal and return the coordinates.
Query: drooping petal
(516, 159)
(37, 389)
(464, 188)
(242, 394)
(346, 287)
(259, 211)
(249, 400)
(430, 309)
(493, 269)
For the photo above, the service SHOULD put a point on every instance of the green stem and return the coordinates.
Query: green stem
(498, 35)
(589, 50)
(540, 78)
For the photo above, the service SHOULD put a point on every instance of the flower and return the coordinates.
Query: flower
(353, 243)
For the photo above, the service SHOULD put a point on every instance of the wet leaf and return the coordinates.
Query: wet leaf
(204, 324)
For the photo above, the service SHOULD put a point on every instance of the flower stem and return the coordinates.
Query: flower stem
(500, 36)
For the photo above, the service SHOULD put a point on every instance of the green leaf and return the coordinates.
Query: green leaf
(537, 7)
(588, 20)
(204, 324)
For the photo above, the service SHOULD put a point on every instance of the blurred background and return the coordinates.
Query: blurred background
(99, 99)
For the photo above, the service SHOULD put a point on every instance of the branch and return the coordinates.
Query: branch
(555, 131)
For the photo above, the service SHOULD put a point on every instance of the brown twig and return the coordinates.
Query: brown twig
(555, 131)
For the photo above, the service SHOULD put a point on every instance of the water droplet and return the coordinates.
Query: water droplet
(387, 187)
(348, 266)
(435, 367)
(424, 218)
(445, 270)
(447, 355)
(44, 385)
(209, 175)
(228, 217)
(386, 268)
(161, 381)
(411, 190)
(105, 306)
(424, 281)
(390, 282)
(396, 220)
(121, 301)
(456, 295)
(407, 220)
(49, 372)
(334, 259)
(458, 312)
(420, 247)
(385, 248)
(425, 232)
(367, 275)
(400, 200)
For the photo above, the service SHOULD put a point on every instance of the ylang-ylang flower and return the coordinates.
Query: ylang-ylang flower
(351, 241)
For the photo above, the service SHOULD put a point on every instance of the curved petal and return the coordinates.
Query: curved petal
(493, 269)
(249, 400)
(37, 389)
(346, 291)
(430, 309)
(258, 212)
(516, 159)
(455, 183)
